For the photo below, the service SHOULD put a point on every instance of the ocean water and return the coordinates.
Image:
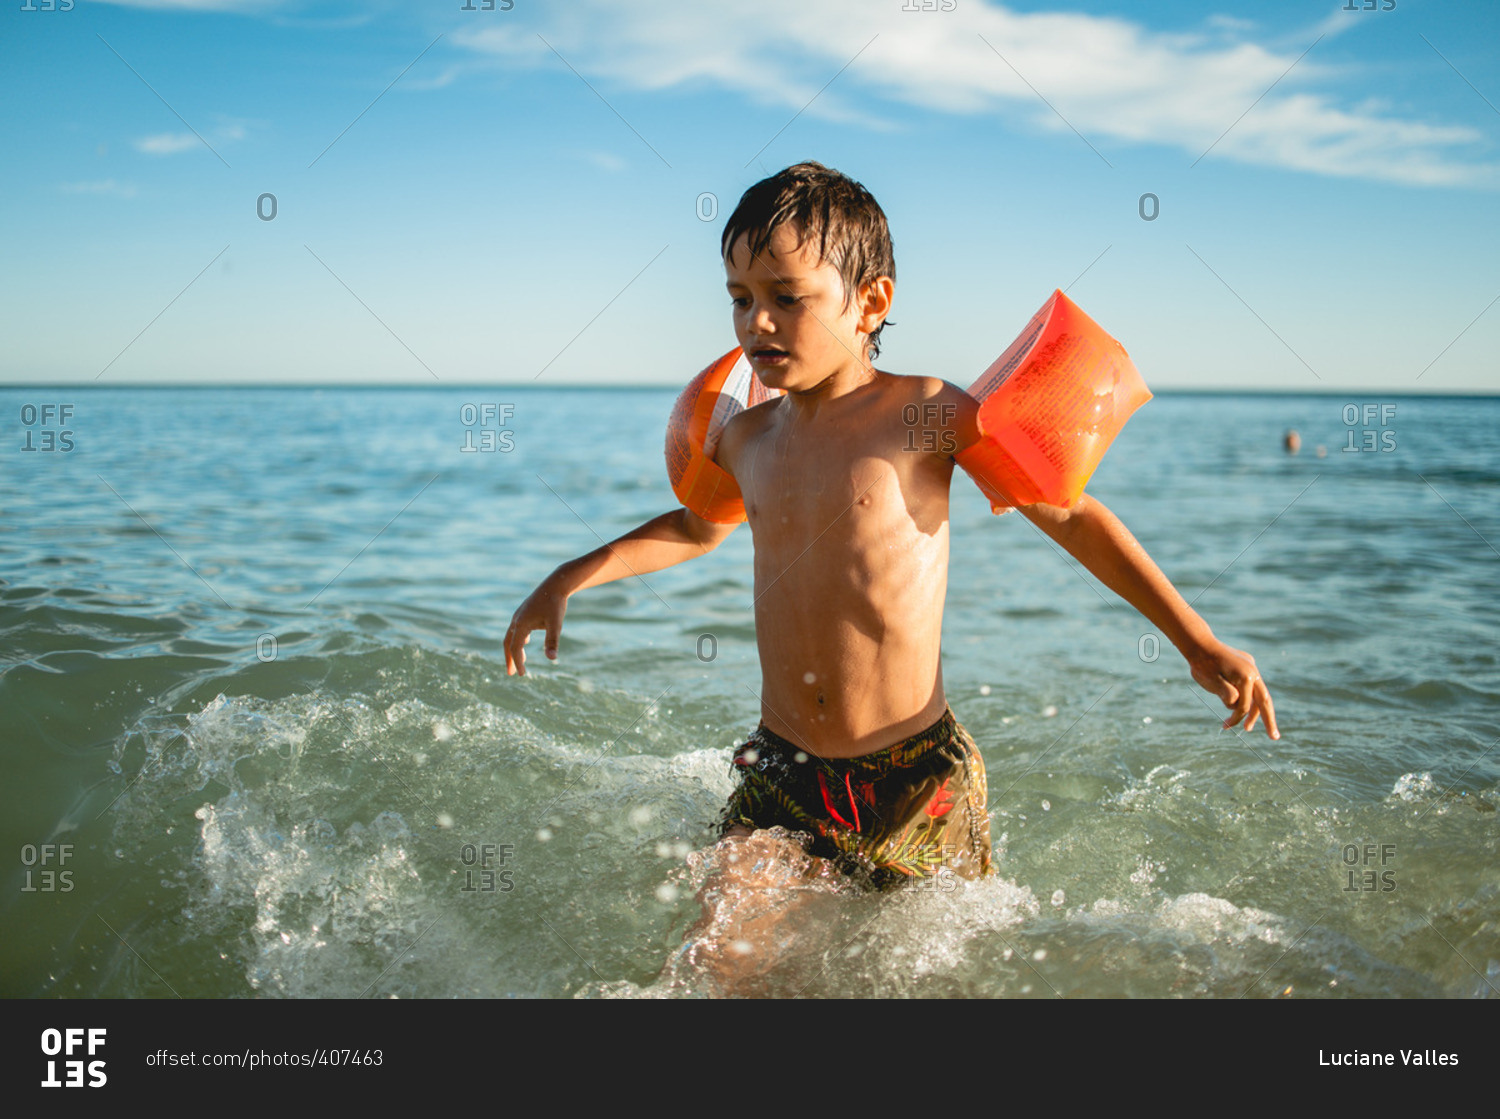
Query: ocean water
(258, 741)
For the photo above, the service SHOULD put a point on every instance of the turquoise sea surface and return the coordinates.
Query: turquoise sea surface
(257, 740)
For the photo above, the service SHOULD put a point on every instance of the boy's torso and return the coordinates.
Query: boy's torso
(848, 506)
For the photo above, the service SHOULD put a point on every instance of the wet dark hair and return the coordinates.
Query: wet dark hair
(827, 206)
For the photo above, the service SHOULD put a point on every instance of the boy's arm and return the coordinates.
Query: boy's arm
(661, 542)
(1098, 540)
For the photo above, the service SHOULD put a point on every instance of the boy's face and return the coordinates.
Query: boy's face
(791, 315)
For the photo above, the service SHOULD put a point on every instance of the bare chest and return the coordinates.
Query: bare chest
(816, 478)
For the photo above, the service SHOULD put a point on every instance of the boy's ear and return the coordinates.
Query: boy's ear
(875, 299)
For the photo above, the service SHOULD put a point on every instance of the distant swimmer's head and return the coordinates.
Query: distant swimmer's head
(829, 216)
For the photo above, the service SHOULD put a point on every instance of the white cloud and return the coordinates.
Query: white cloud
(603, 160)
(170, 143)
(1230, 23)
(1113, 80)
(167, 143)
(100, 186)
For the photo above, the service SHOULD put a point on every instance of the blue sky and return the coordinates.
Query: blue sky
(515, 196)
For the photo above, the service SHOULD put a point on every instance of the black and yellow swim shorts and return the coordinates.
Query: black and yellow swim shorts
(898, 814)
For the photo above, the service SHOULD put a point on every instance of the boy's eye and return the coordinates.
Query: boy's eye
(739, 301)
(787, 300)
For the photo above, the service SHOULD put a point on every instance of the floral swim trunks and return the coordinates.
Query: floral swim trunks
(897, 814)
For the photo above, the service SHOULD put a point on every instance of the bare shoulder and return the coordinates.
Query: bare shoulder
(944, 415)
(741, 429)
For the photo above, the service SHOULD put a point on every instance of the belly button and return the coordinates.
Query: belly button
(820, 695)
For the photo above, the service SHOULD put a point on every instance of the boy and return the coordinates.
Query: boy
(856, 744)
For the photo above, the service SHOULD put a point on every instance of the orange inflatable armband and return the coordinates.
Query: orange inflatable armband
(710, 401)
(1049, 408)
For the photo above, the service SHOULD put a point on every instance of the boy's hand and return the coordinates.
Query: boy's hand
(1232, 676)
(543, 609)
(661, 542)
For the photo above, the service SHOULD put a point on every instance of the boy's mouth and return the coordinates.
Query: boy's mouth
(768, 353)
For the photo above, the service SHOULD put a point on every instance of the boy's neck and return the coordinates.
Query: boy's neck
(841, 382)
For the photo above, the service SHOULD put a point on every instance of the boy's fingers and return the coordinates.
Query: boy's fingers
(515, 655)
(1241, 702)
(1268, 710)
(1253, 700)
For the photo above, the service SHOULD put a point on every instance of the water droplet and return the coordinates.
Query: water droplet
(984, 689)
(800, 757)
(1039, 955)
(442, 731)
(741, 947)
(1059, 899)
(1046, 806)
(809, 678)
(1147, 719)
(444, 820)
(751, 756)
(544, 834)
(666, 893)
(1049, 711)
(640, 816)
